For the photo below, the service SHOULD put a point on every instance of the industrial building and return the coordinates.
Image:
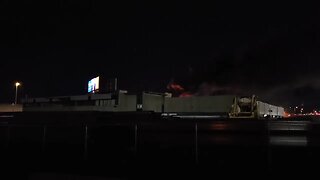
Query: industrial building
(103, 95)
(122, 101)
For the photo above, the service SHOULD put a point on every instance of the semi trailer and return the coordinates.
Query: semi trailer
(231, 106)
(250, 107)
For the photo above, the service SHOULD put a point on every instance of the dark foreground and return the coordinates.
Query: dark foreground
(92, 145)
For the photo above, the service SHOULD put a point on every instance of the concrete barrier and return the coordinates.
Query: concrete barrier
(11, 108)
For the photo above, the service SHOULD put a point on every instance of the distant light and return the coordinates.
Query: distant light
(17, 84)
(139, 106)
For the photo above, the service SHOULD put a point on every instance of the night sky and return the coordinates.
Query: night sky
(271, 50)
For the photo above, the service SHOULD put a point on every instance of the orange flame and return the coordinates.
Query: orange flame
(175, 87)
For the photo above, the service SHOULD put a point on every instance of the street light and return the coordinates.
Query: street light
(16, 84)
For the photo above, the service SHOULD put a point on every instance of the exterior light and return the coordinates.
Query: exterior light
(17, 84)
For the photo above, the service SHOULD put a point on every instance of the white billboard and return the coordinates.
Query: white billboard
(93, 85)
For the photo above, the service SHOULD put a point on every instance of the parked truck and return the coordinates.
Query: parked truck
(250, 107)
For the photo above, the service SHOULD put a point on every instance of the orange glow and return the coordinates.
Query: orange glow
(219, 126)
(186, 94)
(175, 87)
(286, 114)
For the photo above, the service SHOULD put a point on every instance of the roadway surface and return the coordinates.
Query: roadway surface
(144, 145)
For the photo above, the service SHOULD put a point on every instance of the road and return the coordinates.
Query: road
(127, 145)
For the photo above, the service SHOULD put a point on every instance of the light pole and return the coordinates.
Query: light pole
(15, 99)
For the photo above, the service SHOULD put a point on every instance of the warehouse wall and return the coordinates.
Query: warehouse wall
(152, 102)
(212, 104)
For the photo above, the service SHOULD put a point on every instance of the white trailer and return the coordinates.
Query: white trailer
(244, 107)
(267, 110)
(231, 106)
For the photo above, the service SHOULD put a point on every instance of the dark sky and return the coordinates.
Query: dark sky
(267, 49)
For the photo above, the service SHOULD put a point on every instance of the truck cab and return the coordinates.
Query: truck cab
(243, 107)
